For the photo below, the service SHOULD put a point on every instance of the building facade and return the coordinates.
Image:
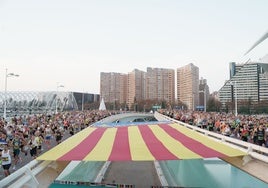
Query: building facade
(188, 85)
(155, 84)
(248, 84)
(113, 87)
(136, 87)
(203, 95)
(33, 102)
(160, 84)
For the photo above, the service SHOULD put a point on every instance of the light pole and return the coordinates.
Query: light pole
(235, 86)
(58, 86)
(115, 104)
(83, 98)
(205, 98)
(193, 101)
(235, 98)
(5, 101)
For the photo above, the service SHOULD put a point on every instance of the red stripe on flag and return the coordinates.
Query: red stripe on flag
(121, 149)
(81, 150)
(158, 150)
(191, 144)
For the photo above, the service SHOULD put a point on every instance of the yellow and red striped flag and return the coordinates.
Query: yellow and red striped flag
(139, 143)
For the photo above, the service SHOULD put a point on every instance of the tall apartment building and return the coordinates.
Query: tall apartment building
(160, 84)
(248, 82)
(113, 87)
(203, 94)
(136, 89)
(155, 84)
(188, 85)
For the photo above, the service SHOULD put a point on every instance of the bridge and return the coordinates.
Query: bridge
(43, 173)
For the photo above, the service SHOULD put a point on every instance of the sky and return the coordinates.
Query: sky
(70, 42)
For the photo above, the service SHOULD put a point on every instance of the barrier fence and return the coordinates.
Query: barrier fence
(253, 150)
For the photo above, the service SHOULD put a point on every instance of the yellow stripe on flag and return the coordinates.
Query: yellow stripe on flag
(173, 145)
(138, 148)
(217, 146)
(63, 148)
(102, 150)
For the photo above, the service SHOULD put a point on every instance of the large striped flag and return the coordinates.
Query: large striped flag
(138, 143)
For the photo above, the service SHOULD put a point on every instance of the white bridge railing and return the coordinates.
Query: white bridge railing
(253, 150)
(25, 175)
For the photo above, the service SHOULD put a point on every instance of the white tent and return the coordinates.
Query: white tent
(102, 105)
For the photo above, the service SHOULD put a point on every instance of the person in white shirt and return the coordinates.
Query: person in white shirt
(48, 135)
(33, 146)
(6, 160)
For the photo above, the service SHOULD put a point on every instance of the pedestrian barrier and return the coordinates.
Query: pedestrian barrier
(25, 174)
(253, 150)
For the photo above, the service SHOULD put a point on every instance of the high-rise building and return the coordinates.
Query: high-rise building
(136, 87)
(160, 84)
(203, 94)
(247, 85)
(155, 84)
(188, 85)
(113, 87)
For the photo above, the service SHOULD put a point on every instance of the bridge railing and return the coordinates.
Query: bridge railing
(25, 174)
(253, 150)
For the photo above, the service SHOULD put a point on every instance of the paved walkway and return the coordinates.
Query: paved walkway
(141, 174)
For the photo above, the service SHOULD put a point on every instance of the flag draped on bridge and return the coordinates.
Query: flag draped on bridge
(168, 141)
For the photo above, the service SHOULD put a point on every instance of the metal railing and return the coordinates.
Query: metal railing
(25, 174)
(253, 150)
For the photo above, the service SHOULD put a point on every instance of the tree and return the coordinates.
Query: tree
(214, 105)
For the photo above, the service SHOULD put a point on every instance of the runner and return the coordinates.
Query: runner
(6, 160)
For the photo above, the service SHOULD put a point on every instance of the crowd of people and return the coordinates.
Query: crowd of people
(32, 134)
(249, 128)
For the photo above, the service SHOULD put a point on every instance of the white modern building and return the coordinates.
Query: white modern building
(248, 85)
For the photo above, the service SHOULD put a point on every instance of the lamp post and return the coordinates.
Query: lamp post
(58, 86)
(205, 98)
(235, 86)
(83, 98)
(5, 101)
(115, 104)
(193, 101)
(235, 98)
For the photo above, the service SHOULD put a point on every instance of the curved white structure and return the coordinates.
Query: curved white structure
(265, 36)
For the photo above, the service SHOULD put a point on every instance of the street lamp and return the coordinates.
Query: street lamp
(235, 86)
(193, 101)
(83, 98)
(205, 98)
(115, 104)
(58, 86)
(5, 101)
